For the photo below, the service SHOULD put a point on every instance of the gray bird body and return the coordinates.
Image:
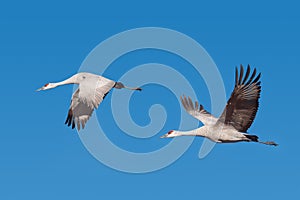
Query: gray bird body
(91, 91)
(236, 118)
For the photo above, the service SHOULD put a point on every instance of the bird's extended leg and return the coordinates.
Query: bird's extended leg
(136, 88)
(254, 138)
(120, 85)
(268, 143)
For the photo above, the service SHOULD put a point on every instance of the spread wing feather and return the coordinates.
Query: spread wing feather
(242, 105)
(86, 98)
(198, 111)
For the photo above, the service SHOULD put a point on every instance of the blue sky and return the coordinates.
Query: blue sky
(41, 158)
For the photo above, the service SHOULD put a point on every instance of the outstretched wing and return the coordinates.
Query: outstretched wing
(243, 104)
(86, 98)
(198, 111)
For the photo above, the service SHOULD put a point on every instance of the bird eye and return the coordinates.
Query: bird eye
(83, 77)
(46, 84)
(170, 132)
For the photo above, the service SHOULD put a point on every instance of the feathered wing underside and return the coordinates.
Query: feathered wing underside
(87, 98)
(242, 105)
(198, 111)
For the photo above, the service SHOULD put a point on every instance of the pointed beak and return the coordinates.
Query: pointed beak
(164, 136)
(39, 89)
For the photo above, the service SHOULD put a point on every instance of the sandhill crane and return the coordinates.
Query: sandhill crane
(236, 118)
(91, 91)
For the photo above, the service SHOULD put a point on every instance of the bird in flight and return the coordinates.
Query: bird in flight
(91, 91)
(236, 118)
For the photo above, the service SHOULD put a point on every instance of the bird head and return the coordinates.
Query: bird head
(47, 86)
(170, 134)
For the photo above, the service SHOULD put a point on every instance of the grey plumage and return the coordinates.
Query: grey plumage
(237, 116)
(92, 89)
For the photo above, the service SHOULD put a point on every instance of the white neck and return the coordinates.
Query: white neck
(196, 132)
(71, 80)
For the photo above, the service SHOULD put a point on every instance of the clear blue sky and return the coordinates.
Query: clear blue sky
(41, 158)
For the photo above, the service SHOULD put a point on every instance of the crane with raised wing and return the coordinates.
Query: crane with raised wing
(236, 118)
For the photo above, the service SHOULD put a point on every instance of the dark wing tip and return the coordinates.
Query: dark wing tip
(257, 78)
(201, 107)
(241, 74)
(243, 103)
(253, 76)
(247, 74)
(70, 120)
(236, 76)
(105, 95)
(240, 78)
(67, 120)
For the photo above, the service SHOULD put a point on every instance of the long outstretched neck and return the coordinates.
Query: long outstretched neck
(71, 80)
(196, 132)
